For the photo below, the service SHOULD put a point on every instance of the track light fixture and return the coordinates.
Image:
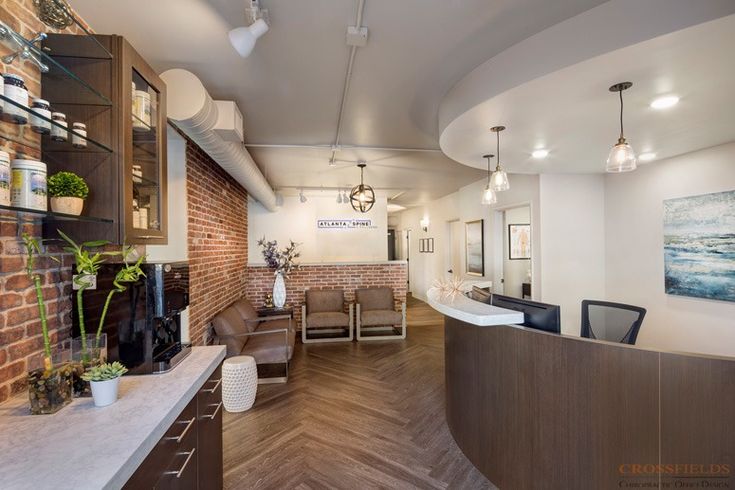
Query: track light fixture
(488, 195)
(499, 179)
(362, 197)
(622, 157)
(339, 197)
(243, 38)
(302, 197)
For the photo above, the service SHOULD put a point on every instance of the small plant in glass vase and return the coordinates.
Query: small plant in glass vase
(49, 385)
(86, 349)
(283, 261)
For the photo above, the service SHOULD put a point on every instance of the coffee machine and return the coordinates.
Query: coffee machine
(143, 323)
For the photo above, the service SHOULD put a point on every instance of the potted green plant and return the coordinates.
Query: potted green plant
(105, 381)
(50, 385)
(68, 192)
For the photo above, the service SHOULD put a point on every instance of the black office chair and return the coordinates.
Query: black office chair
(614, 322)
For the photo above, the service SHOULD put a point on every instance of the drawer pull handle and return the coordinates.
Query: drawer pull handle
(213, 389)
(211, 417)
(180, 438)
(183, 466)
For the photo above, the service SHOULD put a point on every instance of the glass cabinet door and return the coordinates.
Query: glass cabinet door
(145, 171)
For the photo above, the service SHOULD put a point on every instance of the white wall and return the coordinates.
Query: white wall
(464, 205)
(572, 243)
(634, 250)
(298, 222)
(177, 248)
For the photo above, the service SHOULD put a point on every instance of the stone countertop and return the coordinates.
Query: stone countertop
(468, 310)
(85, 447)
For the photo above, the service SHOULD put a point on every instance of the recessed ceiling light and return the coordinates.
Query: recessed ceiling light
(665, 102)
(647, 156)
(540, 153)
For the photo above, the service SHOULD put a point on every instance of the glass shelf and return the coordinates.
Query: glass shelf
(95, 48)
(92, 145)
(54, 216)
(79, 90)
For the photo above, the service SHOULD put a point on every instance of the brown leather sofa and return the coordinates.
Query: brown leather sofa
(323, 317)
(270, 340)
(377, 318)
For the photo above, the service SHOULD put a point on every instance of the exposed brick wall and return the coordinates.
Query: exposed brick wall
(347, 277)
(20, 328)
(218, 239)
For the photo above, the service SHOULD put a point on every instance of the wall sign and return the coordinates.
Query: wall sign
(345, 224)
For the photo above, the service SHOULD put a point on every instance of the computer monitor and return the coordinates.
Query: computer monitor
(540, 316)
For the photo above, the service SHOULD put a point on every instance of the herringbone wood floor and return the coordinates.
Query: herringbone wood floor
(353, 416)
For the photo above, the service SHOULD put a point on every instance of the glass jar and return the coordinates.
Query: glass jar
(4, 178)
(59, 133)
(142, 111)
(86, 354)
(41, 124)
(14, 88)
(50, 380)
(137, 174)
(79, 135)
(28, 188)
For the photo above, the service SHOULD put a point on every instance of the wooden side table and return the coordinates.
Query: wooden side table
(286, 310)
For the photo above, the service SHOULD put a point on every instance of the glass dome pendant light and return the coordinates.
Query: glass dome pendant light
(488, 195)
(499, 179)
(622, 157)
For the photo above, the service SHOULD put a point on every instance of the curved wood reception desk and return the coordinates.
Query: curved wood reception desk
(537, 410)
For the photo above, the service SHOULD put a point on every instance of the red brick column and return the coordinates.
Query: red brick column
(218, 239)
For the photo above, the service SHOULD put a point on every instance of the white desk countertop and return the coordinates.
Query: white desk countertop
(462, 308)
(84, 447)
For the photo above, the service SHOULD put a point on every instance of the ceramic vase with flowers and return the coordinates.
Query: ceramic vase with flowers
(283, 263)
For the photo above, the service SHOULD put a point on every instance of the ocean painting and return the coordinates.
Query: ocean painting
(699, 246)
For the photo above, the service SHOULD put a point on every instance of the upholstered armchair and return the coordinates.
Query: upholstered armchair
(376, 315)
(269, 340)
(323, 318)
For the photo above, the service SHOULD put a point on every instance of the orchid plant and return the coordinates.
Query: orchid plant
(280, 260)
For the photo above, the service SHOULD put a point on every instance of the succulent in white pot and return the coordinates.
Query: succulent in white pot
(68, 192)
(105, 381)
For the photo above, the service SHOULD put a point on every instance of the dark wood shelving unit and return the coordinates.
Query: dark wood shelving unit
(105, 104)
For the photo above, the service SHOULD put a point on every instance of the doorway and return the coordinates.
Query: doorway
(513, 258)
(391, 244)
(453, 257)
(407, 256)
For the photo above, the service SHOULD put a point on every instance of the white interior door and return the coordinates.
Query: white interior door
(456, 240)
(516, 272)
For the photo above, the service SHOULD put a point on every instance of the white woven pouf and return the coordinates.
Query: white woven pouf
(239, 383)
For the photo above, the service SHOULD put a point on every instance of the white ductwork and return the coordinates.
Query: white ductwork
(192, 110)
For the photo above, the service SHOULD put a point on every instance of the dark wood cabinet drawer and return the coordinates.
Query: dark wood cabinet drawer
(180, 438)
(189, 455)
(209, 403)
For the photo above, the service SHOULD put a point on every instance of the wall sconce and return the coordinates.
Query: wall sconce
(424, 223)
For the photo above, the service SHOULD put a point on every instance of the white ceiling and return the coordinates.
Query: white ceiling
(290, 87)
(572, 113)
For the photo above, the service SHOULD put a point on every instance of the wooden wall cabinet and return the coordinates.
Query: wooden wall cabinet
(189, 455)
(124, 162)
